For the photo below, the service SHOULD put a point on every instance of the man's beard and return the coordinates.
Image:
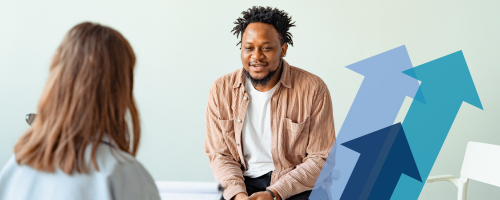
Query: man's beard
(262, 81)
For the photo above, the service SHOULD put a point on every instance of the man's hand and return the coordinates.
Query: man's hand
(264, 195)
(241, 196)
(261, 196)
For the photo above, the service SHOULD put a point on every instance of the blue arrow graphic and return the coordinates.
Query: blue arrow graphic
(385, 151)
(399, 161)
(376, 106)
(446, 83)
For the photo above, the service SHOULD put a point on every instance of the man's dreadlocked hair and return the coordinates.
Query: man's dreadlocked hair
(278, 18)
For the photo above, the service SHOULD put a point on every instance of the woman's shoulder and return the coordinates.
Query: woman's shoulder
(119, 173)
(127, 176)
(7, 169)
(112, 160)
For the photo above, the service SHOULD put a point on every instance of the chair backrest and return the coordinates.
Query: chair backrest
(482, 163)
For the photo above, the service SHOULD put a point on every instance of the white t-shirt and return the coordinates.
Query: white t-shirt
(120, 176)
(256, 132)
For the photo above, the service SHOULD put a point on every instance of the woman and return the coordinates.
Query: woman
(80, 145)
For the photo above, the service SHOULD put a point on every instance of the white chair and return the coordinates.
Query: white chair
(481, 163)
(177, 190)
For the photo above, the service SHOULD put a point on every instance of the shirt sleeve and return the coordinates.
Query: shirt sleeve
(321, 139)
(227, 171)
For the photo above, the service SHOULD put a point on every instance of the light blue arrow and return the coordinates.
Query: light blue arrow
(446, 83)
(375, 106)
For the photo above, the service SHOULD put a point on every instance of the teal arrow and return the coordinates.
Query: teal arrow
(446, 83)
(376, 106)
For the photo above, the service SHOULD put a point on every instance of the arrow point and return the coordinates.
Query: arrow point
(450, 75)
(411, 72)
(420, 96)
(403, 154)
(465, 82)
(371, 143)
(476, 102)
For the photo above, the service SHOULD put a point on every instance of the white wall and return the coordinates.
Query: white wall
(183, 46)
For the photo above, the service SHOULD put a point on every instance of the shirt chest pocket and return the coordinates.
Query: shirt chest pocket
(227, 128)
(296, 136)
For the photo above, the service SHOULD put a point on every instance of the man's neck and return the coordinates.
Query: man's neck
(274, 80)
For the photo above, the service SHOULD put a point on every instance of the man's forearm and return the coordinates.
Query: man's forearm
(300, 179)
(228, 173)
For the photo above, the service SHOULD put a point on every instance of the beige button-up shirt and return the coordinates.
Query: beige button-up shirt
(302, 131)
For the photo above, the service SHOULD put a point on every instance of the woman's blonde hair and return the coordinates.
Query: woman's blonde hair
(87, 96)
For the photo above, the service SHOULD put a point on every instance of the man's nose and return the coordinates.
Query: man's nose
(257, 55)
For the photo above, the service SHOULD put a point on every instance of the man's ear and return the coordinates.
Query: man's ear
(284, 48)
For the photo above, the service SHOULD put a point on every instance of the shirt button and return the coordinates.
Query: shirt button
(245, 98)
(238, 144)
(239, 121)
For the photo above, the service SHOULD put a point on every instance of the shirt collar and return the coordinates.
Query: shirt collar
(284, 79)
(105, 140)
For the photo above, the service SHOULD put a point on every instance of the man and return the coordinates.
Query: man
(269, 125)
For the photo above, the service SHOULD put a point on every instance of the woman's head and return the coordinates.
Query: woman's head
(87, 96)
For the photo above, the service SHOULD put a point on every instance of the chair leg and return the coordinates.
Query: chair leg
(462, 189)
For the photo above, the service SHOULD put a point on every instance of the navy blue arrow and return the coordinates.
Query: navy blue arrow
(384, 155)
(399, 161)
(373, 149)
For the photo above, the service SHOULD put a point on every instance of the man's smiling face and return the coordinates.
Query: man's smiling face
(261, 50)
